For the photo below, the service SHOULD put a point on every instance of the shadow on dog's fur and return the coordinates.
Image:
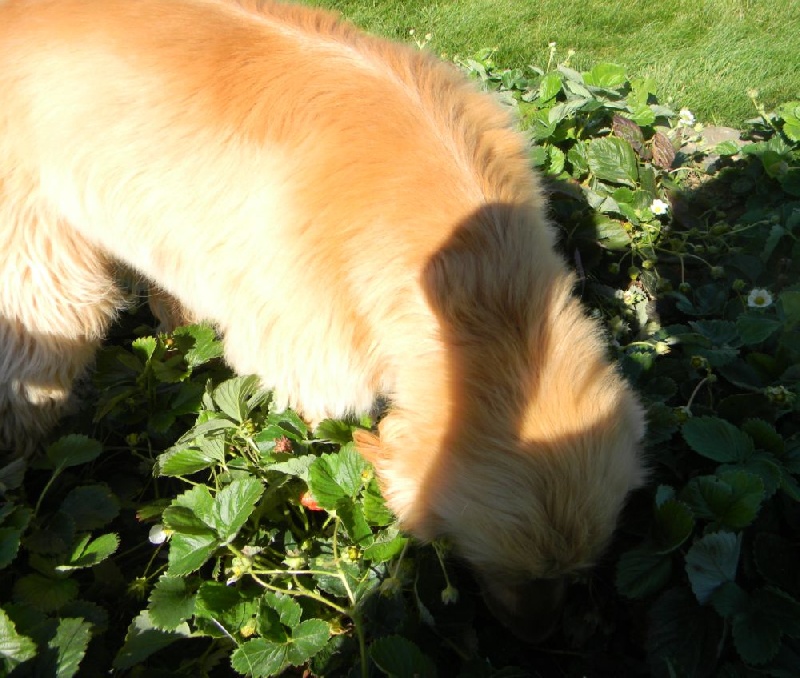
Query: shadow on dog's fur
(355, 218)
(536, 434)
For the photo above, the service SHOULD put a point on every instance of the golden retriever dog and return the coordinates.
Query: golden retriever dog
(354, 217)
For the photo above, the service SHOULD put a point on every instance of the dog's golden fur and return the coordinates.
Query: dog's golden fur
(354, 217)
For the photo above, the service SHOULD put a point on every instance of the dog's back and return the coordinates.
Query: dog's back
(353, 215)
(307, 166)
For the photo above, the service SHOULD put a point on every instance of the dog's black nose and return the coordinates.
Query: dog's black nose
(530, 610)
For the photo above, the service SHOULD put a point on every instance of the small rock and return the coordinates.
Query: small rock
(710, 137)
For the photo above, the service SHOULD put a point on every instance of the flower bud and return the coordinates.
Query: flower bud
(449, 595)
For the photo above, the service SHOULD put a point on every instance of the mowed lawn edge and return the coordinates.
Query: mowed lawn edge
(706, 56)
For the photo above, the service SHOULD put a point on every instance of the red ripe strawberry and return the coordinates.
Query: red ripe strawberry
(309, 502)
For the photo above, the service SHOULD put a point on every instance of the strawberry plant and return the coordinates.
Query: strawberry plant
(179, 525)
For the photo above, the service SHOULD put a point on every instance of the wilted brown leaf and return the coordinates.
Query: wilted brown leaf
(632, 133)
(663, 152)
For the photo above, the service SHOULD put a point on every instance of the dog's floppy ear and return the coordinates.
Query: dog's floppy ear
(368, 445)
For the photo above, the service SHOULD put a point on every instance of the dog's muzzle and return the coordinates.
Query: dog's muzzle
(531, 610)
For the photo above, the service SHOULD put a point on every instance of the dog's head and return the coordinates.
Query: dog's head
(526, 513)
(525, 455)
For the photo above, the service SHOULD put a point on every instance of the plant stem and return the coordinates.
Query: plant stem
(304, 592)
(695, 392)
(56, 473)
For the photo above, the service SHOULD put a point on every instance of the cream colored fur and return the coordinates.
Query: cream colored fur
(355, 218)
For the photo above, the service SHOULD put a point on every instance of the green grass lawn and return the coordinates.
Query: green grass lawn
(704, 54)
